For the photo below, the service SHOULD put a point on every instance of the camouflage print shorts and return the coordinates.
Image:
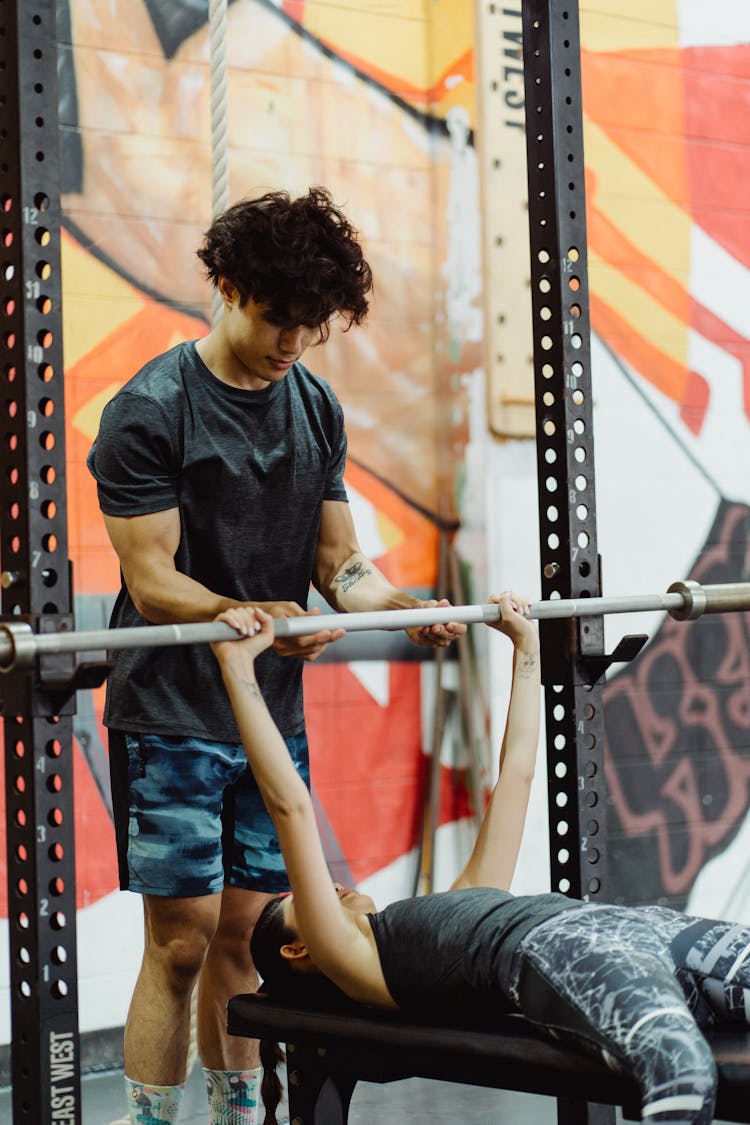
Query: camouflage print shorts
(189, 817)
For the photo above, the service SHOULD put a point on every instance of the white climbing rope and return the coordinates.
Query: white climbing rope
(217, 31)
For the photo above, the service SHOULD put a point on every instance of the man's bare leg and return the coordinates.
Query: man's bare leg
(178, 932)
(227, 971)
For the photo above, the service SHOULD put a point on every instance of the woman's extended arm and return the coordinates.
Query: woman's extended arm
(493, 860)
(331, 934)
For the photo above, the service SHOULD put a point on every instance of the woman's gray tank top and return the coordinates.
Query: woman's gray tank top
(450, 953)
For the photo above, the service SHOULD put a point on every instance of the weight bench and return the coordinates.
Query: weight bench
(328, 1052)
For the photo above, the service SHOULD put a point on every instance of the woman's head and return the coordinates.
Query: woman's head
(272, 931)
(290, 979)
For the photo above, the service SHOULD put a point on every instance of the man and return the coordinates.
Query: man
(220, 476)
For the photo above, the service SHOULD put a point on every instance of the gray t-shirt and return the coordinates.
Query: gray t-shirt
(449, 954)
(248, 471)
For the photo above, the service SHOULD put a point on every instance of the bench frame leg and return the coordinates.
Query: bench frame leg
(315, 1096)
(570, 1112)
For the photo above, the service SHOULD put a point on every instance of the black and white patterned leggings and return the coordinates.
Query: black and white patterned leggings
(635, 985)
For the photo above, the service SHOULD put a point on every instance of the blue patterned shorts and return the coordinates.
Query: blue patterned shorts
(190, 818)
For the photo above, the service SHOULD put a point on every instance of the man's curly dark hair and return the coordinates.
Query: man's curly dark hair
(298, 258)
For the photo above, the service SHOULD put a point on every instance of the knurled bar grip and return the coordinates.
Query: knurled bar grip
(19, 646)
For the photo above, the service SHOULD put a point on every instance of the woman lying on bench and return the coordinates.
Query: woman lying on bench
(632, 985)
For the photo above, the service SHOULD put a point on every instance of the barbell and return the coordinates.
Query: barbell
(685, 601)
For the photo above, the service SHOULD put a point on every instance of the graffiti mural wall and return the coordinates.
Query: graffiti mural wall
(667, 151)
(667, 144)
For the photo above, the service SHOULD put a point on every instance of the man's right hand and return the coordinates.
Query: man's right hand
(308, 647)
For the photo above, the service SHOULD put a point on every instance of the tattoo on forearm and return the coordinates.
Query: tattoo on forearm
(252, 687)
(351, 576)
(526, 665)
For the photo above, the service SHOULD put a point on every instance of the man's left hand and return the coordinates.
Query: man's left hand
(435, 636)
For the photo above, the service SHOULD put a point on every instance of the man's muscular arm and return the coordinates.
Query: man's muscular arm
(351, 583)
(146, 547)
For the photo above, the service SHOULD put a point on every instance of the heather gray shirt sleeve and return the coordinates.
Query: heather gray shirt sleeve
(134, 458)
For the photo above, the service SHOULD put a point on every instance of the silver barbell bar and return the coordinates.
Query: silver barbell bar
(685, 601)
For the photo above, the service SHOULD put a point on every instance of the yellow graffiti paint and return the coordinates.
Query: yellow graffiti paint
(422, 52)
(97, 301)
(631, 201)
(610, 25)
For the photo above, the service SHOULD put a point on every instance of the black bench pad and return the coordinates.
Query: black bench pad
(342, 1047)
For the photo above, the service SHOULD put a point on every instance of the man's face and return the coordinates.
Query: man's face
(263, 351)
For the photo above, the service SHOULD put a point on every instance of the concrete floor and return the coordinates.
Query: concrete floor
(412, 1102)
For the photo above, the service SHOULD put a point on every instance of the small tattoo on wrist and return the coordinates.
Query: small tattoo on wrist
(527, 664)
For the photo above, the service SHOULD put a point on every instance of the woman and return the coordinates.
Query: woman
(631, 985)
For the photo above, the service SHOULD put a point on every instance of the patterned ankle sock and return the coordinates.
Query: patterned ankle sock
(233, 1096)
(153, 1105)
